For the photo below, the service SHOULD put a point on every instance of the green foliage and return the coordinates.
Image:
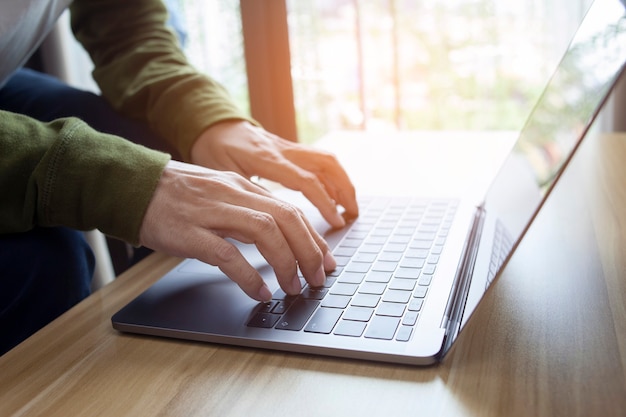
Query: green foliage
(399, 64)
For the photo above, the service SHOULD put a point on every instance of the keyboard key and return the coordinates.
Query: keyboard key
(357, 267)
(281, 307)
(378, 276)
(342, 260)
(336, 301)
(350, 328)
(344, 251)
(416, 253)
(382, 231)
(412, 263)
(356, 234)
(416, 304)
(362, 226)
(404, 334)
(297, 315)
(397, 296)
(390, 309)
(267, 307)
(425, 280)
(402, 284)
(314, 293)
(429, 228)
(405, 230)
(372, 288)
(395, 247)
(358, 314)
(351, 243)
(431, 220)
(370, 248)
(264, 320)
(365, 300)
(330, 281)
(424, 236)
(376, 240)
(410, 318)
(420, 292)
(390, 256)
(384, 266)
(420, 244)
(279, 294)
(384, 224)
(335, 272)
(323, 321)
(382, 327)
(341, 288)
(429, 269)
(399, 239)
(364, 257)
(407, 273)
(351, 277)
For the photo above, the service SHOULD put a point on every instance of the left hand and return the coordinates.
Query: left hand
(241, 147)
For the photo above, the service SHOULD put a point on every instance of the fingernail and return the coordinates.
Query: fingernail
(339, 220)
(330, 263)
(264, 294)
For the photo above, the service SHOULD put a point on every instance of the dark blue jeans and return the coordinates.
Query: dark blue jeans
(46, 271)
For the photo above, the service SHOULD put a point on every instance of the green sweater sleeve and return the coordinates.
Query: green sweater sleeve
(65, 173)
(143, 73)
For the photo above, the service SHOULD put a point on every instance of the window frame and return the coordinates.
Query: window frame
(268, 65)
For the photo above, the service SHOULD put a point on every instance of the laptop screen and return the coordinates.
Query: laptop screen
(561, 117)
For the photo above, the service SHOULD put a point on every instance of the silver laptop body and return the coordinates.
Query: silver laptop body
(427, 298)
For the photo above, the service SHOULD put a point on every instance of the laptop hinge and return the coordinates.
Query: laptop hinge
(462, 280)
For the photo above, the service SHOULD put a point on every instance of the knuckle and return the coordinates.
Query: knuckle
(309, 180)
(226, 181)
(225, 253)
(262, 222)
(330, 158)
(315, 256)
(288, 213)
(325, 158)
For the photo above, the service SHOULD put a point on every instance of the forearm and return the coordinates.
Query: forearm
(65, 173)
(143, 73)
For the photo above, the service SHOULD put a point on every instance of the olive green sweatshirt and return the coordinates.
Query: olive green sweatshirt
(64, 172)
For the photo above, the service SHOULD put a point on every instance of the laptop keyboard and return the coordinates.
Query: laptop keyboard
(386, 263)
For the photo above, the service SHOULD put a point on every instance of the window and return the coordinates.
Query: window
(214, 42)
(389, 65)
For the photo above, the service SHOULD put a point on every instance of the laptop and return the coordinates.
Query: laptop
(410, 270)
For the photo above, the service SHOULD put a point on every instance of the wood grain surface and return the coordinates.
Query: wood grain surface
(549, 339)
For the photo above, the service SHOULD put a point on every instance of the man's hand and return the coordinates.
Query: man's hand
(251, 151)
(194, 209)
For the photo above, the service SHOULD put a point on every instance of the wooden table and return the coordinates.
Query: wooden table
(549, 339)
